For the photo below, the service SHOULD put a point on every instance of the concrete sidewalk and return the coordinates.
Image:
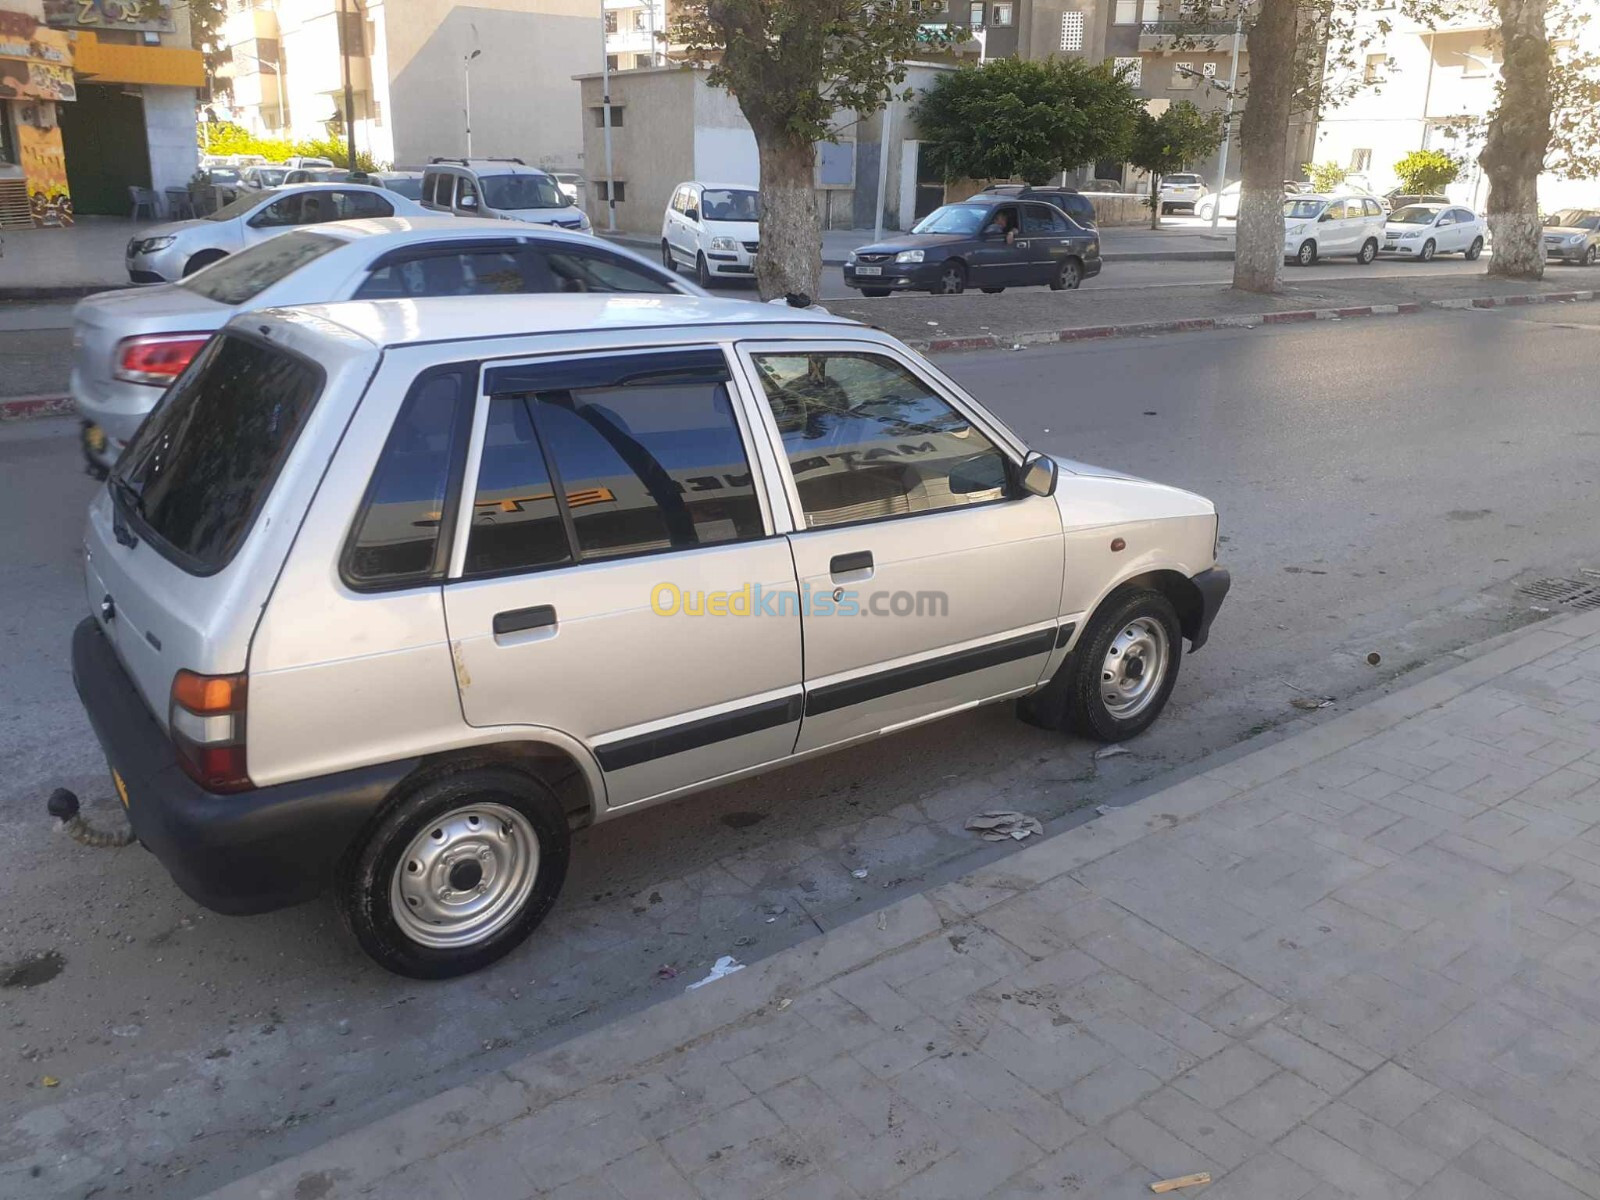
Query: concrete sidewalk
(1359, 962)
(50, 264)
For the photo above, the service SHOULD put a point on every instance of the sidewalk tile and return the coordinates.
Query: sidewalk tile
(1152, 1147)
(1390, 1094)
(1452, 1183)
(709, 1139)
(1276, 1106)
(1077, 1168)
(559, 1157)
(487, 1166)
(1242, 1011)
(1198, 1126)
(1378, 1143)
(1496, 1164)
(646, 1174)
(1341, 1166)
(590, 1187)
(1226, 1077)
(1107, 1090)
(1267, 1175)
(981, 1163)
(821, 1185)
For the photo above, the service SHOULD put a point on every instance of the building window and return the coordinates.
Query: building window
(1130, 69)
(1183, 79)
(599, 111)
(1361, 160)
(641, 21)
(1000, 14)
(1127, 12)
(1072, 31)
(611, 62)
(1209, 70)
(605, 191)
(1373, 71)
(1475, 62)
(975, 14)
(611, 22)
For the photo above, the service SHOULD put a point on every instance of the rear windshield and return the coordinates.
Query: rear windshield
(1183, 179)
(204, 461)
(244, 276)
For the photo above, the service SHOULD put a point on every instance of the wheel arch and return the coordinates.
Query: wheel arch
(1177, 587)
(561, 764)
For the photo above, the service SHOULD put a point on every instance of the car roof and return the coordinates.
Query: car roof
(394, 174)
(386, 323)
(732, 187)
(1429, 204)
(401, 230)
(502, 166)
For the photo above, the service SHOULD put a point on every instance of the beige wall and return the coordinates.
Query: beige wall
(652, 151)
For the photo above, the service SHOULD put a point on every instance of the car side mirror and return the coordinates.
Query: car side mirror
(1327, 216)
(469, 203)
(1040, 474)
(691, 214)
(991, 234)
(1443, 221)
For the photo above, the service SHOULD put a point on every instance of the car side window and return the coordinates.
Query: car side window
(281, 212)
(395, 541)
(1372, 207)
(441, 193)
(516, 523)
(866, 439)
(481, 272)
(1057, 222)
(585, 271)
(467, 194)
(351, 205)
(1035, 220)
(1462, 216)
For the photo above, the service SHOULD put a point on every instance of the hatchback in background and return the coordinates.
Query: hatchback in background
(128, 345)
(570, 183)
(405, 183)
(987, 241)
(713, 228)
(1184, 190)
(1069, 200)
(506, 189)
(1573, 236)
(320, 175)
(1398, 200)
(1321, 226)
(1102, 185)
(261, 177)
(1420, 231)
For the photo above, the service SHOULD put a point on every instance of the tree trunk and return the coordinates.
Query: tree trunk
(1264, 138)
(1155, 203)
(1519, 134)
(790, 261)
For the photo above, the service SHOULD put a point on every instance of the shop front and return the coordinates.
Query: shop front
(36, 80)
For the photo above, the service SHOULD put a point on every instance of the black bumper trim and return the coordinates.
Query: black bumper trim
(247, 853)
(835, 696)
(705, 731)
(1213, 588)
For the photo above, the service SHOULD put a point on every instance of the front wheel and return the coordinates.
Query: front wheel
(1068, 276)
(204, 259)
(457, 872)
(1593, 255)
(952, 280)
(875, 293)
(667, 260)
(1428, 249)
(1204, 211)
(1369, 252)
(702, 271)
(1307, 254)
(1475, 249)
(992, 291)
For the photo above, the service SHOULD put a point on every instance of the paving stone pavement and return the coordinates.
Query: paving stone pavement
(1359, 962)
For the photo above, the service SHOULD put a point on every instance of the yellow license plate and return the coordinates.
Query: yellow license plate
(94, 437)
(122, 788)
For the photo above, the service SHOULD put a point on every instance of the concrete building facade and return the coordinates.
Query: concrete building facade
(417, 69)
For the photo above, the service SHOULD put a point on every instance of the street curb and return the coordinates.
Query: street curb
(647, 247)
(990, 341)
(434, 1126)
(20, 408)
(65, 291)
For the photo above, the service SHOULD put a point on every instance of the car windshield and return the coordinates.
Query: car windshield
(730, 204)
(1575, 218)
(1302, 210)
(1414, 214)
(508, 192)
(953, 218)
(245, 275)
(406, 186)
(271, 176)
(205, 459)
(223, 174)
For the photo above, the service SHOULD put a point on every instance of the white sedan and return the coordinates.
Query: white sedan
(166, 253)
(1420, 231)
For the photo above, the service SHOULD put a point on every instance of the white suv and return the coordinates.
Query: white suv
(713, 228)
(1318, 226)
(388, 597)
(505, 188)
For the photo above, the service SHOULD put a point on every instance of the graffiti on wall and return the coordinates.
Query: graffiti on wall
(44, 162)
(110, 14)
(35, 62)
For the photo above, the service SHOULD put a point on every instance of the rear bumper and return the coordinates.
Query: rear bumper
(247, 853)
(1213, 587)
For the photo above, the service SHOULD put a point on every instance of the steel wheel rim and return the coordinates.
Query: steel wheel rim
(1135, 664)
(464, 876)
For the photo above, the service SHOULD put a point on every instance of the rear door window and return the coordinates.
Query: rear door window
(352, 205)
(586, 271)
(245, 275)
(488, 271)
(205, 460)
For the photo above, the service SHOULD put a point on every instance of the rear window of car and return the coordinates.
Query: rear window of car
(1183, 179)
(204, 461)
(244, 276)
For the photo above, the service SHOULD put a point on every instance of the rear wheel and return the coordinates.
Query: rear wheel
(1427, 252)
(1369, 252)
(204, 259)
(993, 291)
(1475, 249)
(1068, 275)
(702, 271)
(1204, 209)
(1307, 254)
(952, 279)
(456, 873)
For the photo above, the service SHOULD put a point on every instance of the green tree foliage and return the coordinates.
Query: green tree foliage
(1171, 142)
(228, 138)
(1427, 171)
(1325, 177)
(1013, 119)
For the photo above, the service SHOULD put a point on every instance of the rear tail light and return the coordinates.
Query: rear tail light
(206, 721)
(156, 358)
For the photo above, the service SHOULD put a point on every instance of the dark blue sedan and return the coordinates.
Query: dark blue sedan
(988, 242)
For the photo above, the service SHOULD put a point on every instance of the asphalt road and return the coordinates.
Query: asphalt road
(1384, 485)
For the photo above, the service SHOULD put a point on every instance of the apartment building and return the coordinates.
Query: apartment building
(637, 33)
(420, 73)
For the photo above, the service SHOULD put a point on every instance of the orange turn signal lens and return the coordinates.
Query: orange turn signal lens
(206, 695)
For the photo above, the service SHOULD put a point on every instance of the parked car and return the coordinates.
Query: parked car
(307, 160)
(1183, 190)
(1573, 235)
(1102, 185)
(987, 241)
(164, 253)
(712, 228)
(1228, 200)
(269, 176)
(504, 188)
(1069, 200)
(129, 345)
(322, 175)
(495, 570)
(406, 183)
(570, 184)
(1341, 223)
(1420, 231)
(1397, 200)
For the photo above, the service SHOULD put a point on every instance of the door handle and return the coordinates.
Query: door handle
(1020, 245)
(519, 620)
(844, 564)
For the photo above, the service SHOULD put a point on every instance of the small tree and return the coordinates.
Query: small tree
(1427, 171)
(1171, 142)
(1011, 118)
(1325, 177)
(792, 65)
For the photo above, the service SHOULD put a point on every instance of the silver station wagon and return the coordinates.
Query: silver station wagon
(388, 597)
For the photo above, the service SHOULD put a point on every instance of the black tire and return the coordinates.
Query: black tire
(1592, 256)
(1306, 256)
(992, 291)
(364, 886)
(1428, 251)
(1072, 701)
(952, 279)
(1068, 276)
(875, 293)
(1474, 250)
(1368, 254)
(667, 260)
(702, 272)
(204, 259)
(1203, 210)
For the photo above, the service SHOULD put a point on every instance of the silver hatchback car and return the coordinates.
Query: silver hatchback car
(388, 597)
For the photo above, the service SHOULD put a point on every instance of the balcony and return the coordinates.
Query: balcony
(1201, 34)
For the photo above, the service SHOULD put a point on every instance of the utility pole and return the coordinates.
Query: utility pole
(349, 92)
(1227, 120)
(885, 128)
(605, 120)
(466, 76)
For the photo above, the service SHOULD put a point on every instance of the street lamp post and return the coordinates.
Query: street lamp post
(1227, 120)
(466, 77)
(605, 120)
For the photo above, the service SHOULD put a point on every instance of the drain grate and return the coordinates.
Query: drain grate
(1570, 593)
